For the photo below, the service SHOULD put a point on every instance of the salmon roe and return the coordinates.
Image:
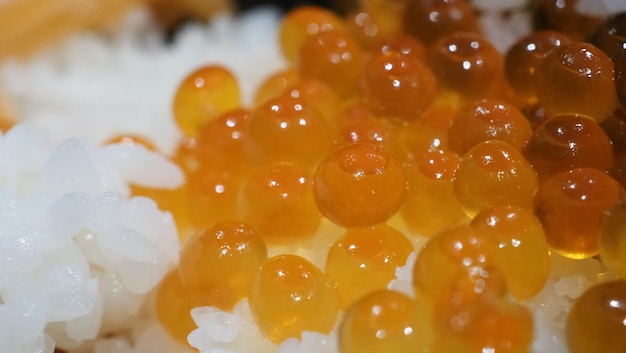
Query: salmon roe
(577, 78)
(456, 274)
(613, 238)
(397, 87)
(566, 142)
(334, 58)
(488, 119)
(524, 57)
(365, 259)
(430, 187)
(375, 20)
(237, 250)
(287, 129)
(597, 321)
(571, 205)
(290, 295)
(203, 95)
(519, 236)
(302, 23)
(280, 203)
(384, 321)
(494, 173)
(173, 306)
(432, 19)
(457, 259)
(400, 43)
(359, 185)
(467, 64)
(395, 126)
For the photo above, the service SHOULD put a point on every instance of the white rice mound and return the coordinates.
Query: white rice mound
(77, 255)
(97, 85)
(79, 259)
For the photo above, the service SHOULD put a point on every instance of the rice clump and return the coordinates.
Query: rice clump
(77, 256)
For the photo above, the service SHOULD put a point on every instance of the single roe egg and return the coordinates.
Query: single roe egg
(290, 295)
(397, 86)
(382, 322)
(577, 78)
(493, 173)
(520, 238)
(219, 264)
(359, 184)
(613, 239)
(597, 321)
(571, 205)
(365, 259)
(203, 95)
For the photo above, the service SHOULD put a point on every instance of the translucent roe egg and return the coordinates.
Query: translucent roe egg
(620, 78)
(370, 23)
(218, 264)
(401, 43)
(359, 184)
(334, 58)
(384, 321)
(488, 119)
(494, 173)
(613, 239)
(566, 142)
(430, 131)
(618, 169)
(536, 115)
(279, 203)
(185, 155)
(203, 95)
(431, 205)
(357, 124)
(610, 35)
(455, 274)
(456, 263)
(564, 16)
(290, 295)
(220, 142)
(275, 85)
(287, 129)
(397, 87)
(576, 78)
(615, 129)
(597, 321)
(318, 94)
(570, 207)
(520, 237)
(467, 64)
(365, 259)
(290, 83)
(485, 326)
(212, 195)
(430, 20)
(303, 22)
(173, 306)
(525, 56)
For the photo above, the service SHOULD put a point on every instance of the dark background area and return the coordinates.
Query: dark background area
(284, 4)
